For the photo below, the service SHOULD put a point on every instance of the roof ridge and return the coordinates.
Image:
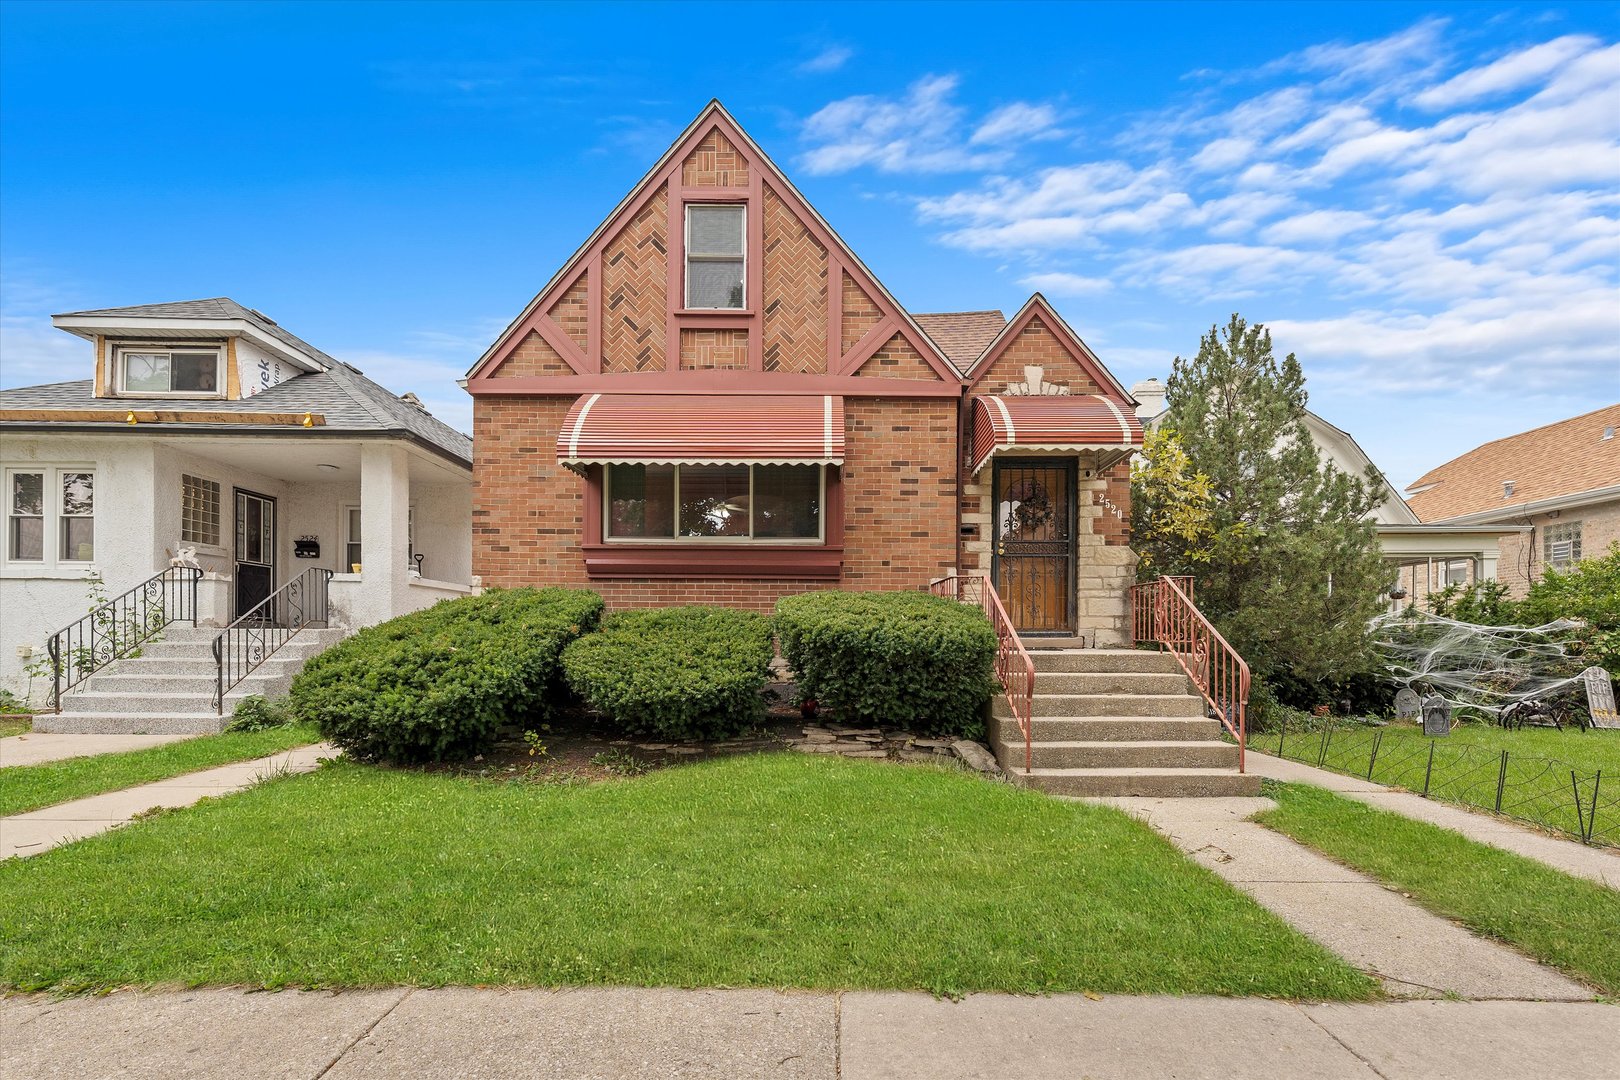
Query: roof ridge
(1509, 438)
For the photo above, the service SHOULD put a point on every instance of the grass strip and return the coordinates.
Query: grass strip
(9, 727)
(1560, 920)
(31, 787)
(769, 870)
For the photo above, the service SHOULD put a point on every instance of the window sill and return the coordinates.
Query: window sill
(620, 560)
(47, 572)
(704, 313)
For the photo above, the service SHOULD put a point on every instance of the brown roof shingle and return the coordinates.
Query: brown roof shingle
(962, 335)
(1565, 458)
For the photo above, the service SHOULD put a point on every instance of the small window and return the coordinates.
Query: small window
(191, 372)
(25, 520)
(199, 511)
(1457, 572)
(351, 538)
(1561, 544)
(714, 256)
(50, 516)
(697, 503)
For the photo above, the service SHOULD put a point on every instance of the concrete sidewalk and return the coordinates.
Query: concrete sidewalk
(1601, 865)
(635, 1033)
(41, 830)
(38, 747)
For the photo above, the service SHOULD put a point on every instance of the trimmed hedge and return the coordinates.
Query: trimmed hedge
(900, 659)
(676, 672)
(438, 683)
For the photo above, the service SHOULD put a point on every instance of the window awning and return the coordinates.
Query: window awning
(1068, 422)
(694, 429)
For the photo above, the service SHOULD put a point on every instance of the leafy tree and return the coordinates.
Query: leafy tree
(1172, 507)
(1589, 591)
(1294, 570)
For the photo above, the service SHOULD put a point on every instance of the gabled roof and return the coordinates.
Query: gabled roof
(962, 335)
(1037, 306)
(1559, 460)
(214, 308)
(713, 117)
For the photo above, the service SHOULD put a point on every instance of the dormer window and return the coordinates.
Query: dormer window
(152, 371)
(715, 255)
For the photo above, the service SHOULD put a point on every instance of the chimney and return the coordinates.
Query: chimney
(1149, 395)
(411, 399)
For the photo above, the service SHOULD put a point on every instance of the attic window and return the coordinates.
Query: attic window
(144, 371)
(714, 255)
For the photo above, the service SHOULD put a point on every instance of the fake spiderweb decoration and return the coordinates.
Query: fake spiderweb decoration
(1504, 674)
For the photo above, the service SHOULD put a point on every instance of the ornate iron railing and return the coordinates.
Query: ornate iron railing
(118, 627)
(258, 633)
(1014, 668)
(1163, 613)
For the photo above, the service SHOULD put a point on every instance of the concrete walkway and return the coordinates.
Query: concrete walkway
(1601, 865)
(633, 1033)
(38, 747)
(41, 830)
(1414, 952)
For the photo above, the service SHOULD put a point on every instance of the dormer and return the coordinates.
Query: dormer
(193, 350)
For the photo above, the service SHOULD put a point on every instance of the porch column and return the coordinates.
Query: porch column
(385, 500)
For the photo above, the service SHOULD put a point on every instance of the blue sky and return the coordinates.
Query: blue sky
(1422, 201)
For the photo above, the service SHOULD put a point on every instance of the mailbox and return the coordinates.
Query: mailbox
(307, 547)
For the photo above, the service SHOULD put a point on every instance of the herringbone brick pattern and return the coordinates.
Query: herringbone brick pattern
(634, 287)
(702, 349)
(897, 360)
(572, 313)
(715, 163)
(795, 293)
(860, 313)
(533, 356)
(1035, 344)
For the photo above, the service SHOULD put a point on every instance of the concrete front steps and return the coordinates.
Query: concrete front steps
(169, 688)
(1111, 722)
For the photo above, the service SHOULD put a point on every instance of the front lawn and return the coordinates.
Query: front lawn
(1560, 920)
(771, 870)
(10, 726)
(1467, 767)
(30, 787)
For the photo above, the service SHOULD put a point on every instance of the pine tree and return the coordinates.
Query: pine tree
(1293, 570)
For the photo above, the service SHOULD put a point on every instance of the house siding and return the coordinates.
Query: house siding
(1522, 560)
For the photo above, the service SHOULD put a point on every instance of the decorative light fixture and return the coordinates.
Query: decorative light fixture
(328, 468)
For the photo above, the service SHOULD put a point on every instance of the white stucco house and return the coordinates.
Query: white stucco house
(203, 431)
(1423, 557)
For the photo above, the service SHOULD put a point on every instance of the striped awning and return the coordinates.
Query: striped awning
(693, 429)
(1061, 423)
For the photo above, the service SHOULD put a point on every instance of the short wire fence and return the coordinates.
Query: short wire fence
(1546, 792)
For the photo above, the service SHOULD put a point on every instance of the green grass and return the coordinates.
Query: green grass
(9, 727)
(29, 787)
(1467, 764)
(1560, 920)
(771, 870)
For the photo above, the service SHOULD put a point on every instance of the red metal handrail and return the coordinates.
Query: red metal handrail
(1162, 612)
(1014, 668)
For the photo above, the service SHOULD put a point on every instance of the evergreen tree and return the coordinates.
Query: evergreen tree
(1292, 571)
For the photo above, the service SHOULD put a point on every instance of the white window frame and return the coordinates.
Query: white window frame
(688, 257)
(51, 565)
(216, 544)
(346, 539)
(1458, 565)
(123, 349)
(736, 541)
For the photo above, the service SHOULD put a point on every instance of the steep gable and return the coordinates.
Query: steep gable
(1038, 337)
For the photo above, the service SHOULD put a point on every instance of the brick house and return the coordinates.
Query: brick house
(716, 401)
(1557, 486)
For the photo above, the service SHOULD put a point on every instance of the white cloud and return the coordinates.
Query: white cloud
(1511, 72)
(1016, 122)
(828, 59)
(1062, 284)
(1317, 226)
(32, 351)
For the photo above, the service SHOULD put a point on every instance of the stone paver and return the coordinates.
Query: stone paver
(486, 1034)
(1413, 951)
(38, 747)
(1601, 865)
(41, 830)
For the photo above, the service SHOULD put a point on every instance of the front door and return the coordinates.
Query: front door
(255, 551)
(1034, 535)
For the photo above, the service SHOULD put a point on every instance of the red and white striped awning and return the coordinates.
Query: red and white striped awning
(1062, 423)
(692, 429)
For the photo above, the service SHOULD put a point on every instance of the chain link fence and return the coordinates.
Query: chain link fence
(1546, 792)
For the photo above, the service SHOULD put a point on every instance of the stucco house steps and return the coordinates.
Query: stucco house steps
(169, 687)
(1118, 722)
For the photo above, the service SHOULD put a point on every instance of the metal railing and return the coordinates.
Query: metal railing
(1014, 668)
(258, 633)
(118, 627)
(1163, 613)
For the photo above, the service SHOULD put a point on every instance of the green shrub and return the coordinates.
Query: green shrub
(674, 673)
(258, 713)
(1589, 591)
(902, 659)
(438, 683)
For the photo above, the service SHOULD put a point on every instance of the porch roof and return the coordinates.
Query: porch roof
(1066, 422)
(657, 429)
